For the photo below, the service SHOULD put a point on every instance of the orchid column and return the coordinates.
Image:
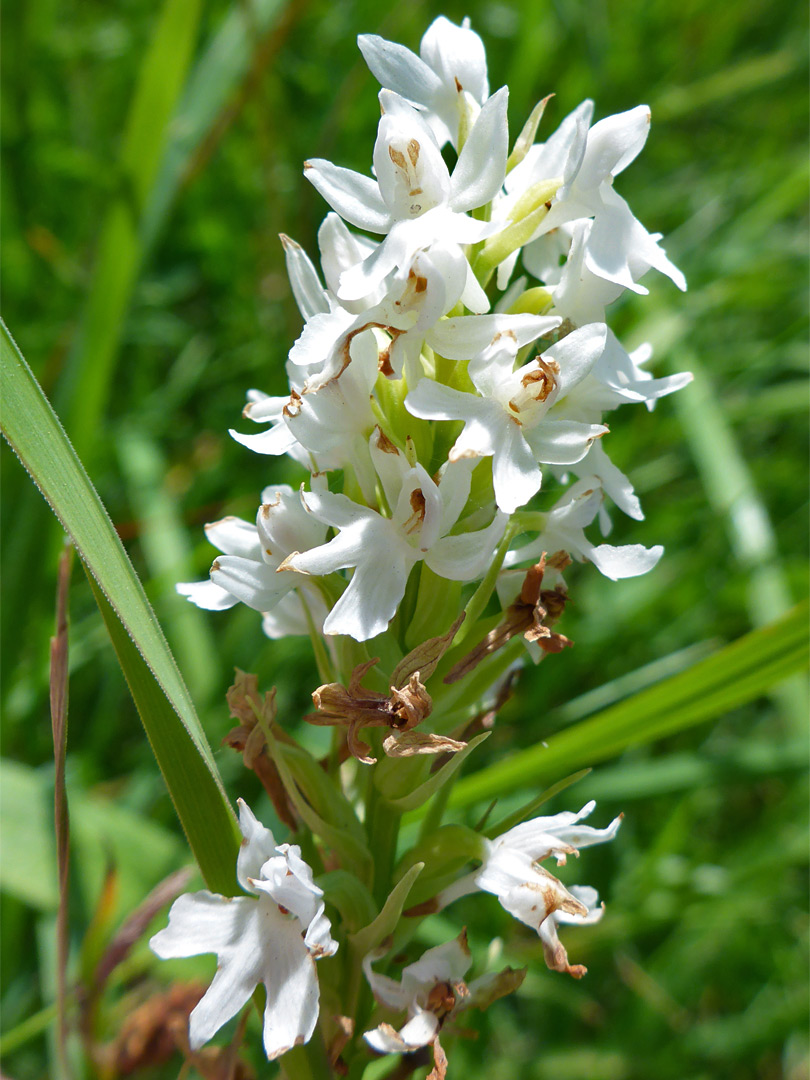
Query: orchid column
(447, 408)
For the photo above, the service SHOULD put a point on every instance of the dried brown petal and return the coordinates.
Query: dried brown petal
(410, 743)
(247, 705)
(439, 1070)
(425, 657)
(534, 610)
(411, 704)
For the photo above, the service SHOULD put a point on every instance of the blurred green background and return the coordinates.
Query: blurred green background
(144, 189)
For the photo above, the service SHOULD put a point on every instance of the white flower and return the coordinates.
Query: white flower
(618, 246)
(430, 989)
(564, 531)
(508, 419)
(248, 569)
(510, 870)
(383, 550)
(415, 200)
(438, 279)
(451, 70)
(272, 937)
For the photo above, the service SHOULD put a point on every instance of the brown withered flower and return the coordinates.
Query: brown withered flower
(246, 705)
(532, 614)
(404, 708)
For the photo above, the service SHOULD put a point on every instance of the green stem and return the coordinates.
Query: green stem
(382, 827)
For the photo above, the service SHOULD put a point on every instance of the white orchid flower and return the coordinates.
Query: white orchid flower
(510, 869)
(618, 247)
(247, 570)
(432, 991)
(383, 550)
(271, 937)
(415, 201)
(618, 378)
(564, 530)
(508, 418)
(406, 314)
(429, 990)
(449, 73)
(612, 481)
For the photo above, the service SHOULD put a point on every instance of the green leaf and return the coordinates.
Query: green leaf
(350, 896)
(534, 805)
(421, 794)
(737, 674)
(201, 805)
(165, 706)
(349, 845)
(370, 936)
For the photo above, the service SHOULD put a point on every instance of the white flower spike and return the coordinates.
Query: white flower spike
(272, 937)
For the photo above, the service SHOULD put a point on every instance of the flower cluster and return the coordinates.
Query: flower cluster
(441, 403)
(447, 400)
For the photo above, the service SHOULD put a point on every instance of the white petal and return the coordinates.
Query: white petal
(306, 285)
(562, 442)
(465, 336)
(371, 599)
(481, 166)
(233, 536)
(292, 1005)
(473, 296)
(398, 69)
(628, 561)
(340, 248)
(386, 990)
(576, 355)
(465, 557)
(320, 336)
(201, 922)
(207, 595)
(420, 1029)
(456, 53)
(262, 407)
(255, 584)
(237, 976)
(516, 476)
(443, 963)
(276, 440)
(258, 845)
(337, 510)
(355, 197)
(613, 143)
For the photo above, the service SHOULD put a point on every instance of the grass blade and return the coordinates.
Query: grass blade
(160, 80)
(735, 675)
(59, 717)
(165, 706)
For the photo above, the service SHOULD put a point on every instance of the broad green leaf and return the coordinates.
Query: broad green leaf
(164, 541)
(35, 434)
(204, 813)
(737, 674)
